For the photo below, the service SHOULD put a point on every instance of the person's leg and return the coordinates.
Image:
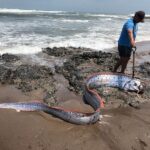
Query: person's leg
(127, 55)
(121, 62)
(118, 64)
(124, 63)
(124, 53)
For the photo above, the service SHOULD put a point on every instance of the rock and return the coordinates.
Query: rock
(78, 65)
(135, 104)
(147, 92)
(57, 52)
(5, 75)
(34, 77)
(32, 72)
(73, 71)
(58, 69)
(28, 78)
(145, 69)
(64, 51)
(25, 86)
(9, 58)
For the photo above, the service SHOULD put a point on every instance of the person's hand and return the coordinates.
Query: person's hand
(134, 49)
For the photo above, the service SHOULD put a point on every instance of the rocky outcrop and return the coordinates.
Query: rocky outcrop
(145, 69)
(64, 51)
(79, 64)
(9, 58)
(28, 78)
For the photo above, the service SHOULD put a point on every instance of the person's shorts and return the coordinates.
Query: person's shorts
(124, 51)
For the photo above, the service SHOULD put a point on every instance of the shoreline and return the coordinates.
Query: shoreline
(141, 45)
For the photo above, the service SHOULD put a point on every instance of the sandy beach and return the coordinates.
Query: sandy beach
(121, 128)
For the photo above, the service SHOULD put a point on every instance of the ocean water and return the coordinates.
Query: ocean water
(28, 31)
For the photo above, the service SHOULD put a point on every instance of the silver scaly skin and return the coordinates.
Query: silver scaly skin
(115, 80)
(90, 97)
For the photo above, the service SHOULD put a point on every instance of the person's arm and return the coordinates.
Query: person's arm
(132, 41)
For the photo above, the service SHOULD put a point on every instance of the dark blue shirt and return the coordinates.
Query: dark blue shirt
(124, 39)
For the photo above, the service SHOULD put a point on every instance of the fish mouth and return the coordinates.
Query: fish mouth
(141, 89)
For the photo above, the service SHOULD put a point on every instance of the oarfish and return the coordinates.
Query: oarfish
(90, 97)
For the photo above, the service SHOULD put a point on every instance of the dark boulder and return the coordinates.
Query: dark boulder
(145, 69)
(9, 58)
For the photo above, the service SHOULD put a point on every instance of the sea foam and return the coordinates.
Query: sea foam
(28, 31)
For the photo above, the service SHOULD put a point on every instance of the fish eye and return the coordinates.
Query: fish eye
(135, 84)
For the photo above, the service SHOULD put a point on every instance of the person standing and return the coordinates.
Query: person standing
(127, 40)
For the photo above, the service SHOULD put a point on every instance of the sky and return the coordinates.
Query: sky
(102, 6)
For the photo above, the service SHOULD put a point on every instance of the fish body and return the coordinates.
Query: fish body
(69, 116)
(90, 97)
(115, 80)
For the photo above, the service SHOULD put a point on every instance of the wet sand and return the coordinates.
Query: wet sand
(120, 128)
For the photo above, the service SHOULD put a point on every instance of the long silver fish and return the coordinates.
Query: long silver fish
(90, 97)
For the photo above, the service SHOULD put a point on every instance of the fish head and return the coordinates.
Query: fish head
(134, 85)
